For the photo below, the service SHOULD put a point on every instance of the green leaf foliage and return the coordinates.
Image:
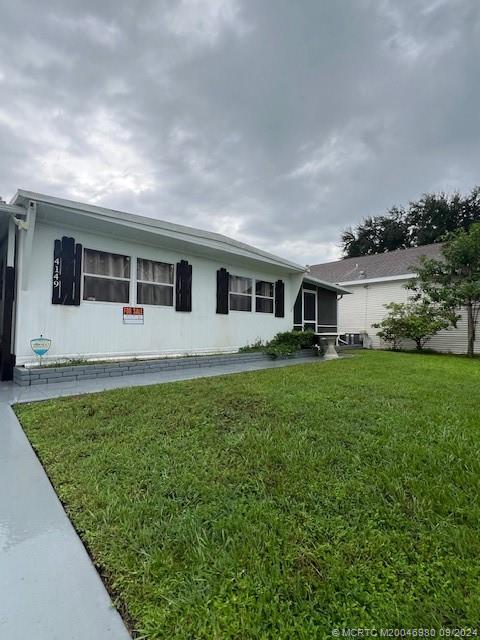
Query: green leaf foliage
(415, 321)
(289, 342)
(452, 283)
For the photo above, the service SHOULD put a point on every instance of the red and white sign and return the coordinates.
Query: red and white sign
(133, 315)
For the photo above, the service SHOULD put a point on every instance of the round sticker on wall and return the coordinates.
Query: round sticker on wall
(40, 345)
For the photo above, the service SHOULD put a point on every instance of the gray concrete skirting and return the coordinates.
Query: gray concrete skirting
(49, 375)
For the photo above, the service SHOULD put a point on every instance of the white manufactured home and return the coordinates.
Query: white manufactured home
(100, 283)
(375, 281)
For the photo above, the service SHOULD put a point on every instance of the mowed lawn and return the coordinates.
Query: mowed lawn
(281, 503)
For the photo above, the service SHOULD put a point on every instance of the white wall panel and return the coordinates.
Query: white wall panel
(96, 329)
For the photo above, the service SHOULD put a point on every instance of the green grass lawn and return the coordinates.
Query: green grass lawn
(281, 503)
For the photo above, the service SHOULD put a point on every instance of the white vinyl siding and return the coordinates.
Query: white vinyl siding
(365, 307)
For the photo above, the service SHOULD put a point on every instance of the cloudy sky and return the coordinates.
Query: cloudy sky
(278, 122)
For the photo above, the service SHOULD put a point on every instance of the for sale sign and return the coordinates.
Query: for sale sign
(133, 315)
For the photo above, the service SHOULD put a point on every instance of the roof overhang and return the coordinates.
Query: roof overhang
(147, 230)
(7, 212)
(326, 285)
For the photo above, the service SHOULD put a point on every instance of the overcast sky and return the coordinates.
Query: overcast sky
(278, 122)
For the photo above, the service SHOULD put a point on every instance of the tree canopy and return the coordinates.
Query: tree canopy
(453, 282)
(424, 221)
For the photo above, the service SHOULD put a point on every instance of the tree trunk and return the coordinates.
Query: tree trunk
(471, 330)
(418, 342)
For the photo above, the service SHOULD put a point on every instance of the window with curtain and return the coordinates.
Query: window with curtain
(240, 293)
(155, 282)
(106, 276)
(263, 296)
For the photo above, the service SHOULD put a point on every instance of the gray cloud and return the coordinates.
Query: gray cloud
(276, 122)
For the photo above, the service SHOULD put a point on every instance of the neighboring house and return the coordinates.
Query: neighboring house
(101, 283)
(375, 281)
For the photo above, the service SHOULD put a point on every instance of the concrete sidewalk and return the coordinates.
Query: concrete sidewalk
(49, 588)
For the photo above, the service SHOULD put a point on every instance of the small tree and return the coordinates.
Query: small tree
(415, 321)
(453, 283)
(391, 326)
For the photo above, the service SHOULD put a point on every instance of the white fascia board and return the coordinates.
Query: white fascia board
(161, 227)
(403, 276)
(12, 209)
(326, 285)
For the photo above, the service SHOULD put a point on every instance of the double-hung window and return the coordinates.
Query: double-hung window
(240, 293)
(263, 296)
(155, 282)
(106, 276)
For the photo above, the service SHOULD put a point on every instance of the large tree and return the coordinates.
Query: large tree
(453, 282)
(424, 221)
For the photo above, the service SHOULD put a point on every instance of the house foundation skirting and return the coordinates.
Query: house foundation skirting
(50, 375)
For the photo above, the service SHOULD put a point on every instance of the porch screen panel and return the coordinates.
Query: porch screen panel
(327, 309)
(297, 310)
(309, 306)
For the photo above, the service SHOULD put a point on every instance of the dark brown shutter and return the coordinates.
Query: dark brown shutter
(222, 291)
(77, 274)
(57, 273)
(67, 272)
(68, 269)
(279, 299)
(183, 286)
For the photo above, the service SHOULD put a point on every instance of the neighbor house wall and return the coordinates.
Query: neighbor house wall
(358, 312)
(96, 329)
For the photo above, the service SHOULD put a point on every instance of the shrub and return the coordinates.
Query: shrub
(288, 342)
(255, 346)
(412, 321)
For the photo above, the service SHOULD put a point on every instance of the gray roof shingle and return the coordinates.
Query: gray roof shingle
(380, 265)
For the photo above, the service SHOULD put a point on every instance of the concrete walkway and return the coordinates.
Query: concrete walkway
(49, 588)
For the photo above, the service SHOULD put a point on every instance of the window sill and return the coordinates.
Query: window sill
(155, 306)
(118, 304)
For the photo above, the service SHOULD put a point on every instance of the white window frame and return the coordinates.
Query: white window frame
(98, 275)
(245, 295)
(272, 297)
(162, 284)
